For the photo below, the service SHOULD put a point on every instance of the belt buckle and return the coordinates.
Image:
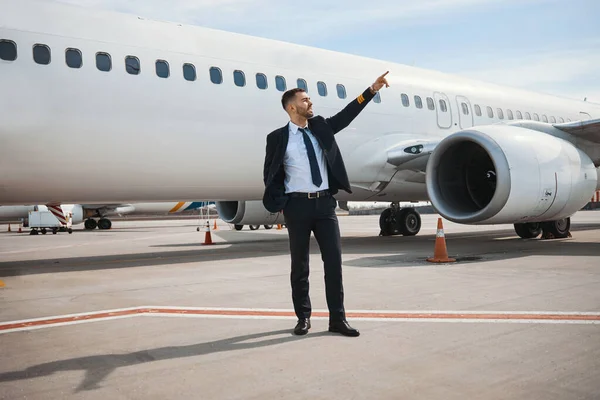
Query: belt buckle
(316, 197)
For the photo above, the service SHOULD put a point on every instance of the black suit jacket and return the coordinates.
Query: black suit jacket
(324, 129)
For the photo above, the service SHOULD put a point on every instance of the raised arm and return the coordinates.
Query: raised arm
(342, 119)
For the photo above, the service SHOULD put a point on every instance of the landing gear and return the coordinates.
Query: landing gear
(396, 221)
(559, 229)
(528, 230)
(90, 224)
(104, 223)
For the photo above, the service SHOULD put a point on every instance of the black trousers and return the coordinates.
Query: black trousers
(303, 216)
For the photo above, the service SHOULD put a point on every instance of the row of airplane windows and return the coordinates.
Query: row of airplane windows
(74, 59)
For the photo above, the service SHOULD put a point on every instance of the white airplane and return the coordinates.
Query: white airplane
(78, 213)
(102, 107)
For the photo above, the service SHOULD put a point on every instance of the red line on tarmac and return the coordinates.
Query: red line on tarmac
(275, 313)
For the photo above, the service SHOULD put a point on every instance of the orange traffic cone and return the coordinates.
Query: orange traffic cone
(279, 227)
(207, 236)
(215, 227)
(440, 254)
(20, 229)
(9, 228)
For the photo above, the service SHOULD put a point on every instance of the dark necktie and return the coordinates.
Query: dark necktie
(312, 159)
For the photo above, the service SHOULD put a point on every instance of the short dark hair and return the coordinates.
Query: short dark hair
(289, 95)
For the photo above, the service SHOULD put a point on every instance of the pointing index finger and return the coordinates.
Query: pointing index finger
(385, 74)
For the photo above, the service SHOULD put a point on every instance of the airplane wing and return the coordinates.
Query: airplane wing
(588, 130)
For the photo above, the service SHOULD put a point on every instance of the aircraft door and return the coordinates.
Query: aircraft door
(443, 111)
(465, 112)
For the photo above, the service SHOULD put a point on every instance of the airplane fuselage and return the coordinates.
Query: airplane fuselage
(86, 135)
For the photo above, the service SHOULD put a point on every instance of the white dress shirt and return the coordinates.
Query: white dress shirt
(297, 168)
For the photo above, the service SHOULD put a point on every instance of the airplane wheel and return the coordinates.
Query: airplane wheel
(558, 229)
(238, 227)
(54, 230)
(43, 231)
(388, 223)
(104, 223)
(528, 230)
(90, 224)
(409, 222)
(254, 227)
(268, 226)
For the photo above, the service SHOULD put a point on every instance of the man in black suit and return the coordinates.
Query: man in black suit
(303, 170)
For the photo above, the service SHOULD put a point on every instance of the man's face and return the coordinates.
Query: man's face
(303, 105)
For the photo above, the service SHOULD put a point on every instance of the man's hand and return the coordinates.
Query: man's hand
(378, 84)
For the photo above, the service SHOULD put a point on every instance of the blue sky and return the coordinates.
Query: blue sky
(552, 46)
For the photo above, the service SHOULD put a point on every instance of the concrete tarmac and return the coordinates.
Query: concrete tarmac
(146, 311)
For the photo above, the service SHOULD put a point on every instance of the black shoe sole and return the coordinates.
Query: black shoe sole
(351, 334)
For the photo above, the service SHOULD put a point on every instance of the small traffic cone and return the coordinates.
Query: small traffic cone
(20, 229)
(279, 227)
(207, 236)
(440, 254)
(9, 228)
(215, 226)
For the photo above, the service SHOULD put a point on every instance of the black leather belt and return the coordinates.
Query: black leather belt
(313, 195)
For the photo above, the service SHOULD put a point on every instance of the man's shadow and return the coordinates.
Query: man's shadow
(99, 367)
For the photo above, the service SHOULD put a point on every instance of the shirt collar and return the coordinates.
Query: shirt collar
(294, 128)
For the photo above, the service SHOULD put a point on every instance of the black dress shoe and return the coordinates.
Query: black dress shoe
(302, 326)
(343, 328)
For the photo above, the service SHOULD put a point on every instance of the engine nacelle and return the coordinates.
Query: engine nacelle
(77, 214)
(507, 174)
(247, 213)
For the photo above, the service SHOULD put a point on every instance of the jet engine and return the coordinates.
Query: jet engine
(77, 214)
(508, 174)
(247, 213)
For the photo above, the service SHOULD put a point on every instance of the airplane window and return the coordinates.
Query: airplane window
(341, 91)
(568, 119)
(418, 102)
(162, 69)
(430, 103)
(519, 115)
(322, 88)
(465, 108)
(509, 113)
(280, 83)
(443, 106)
(544, 118)
(8, 50)
(302, 84)
(216, 76)
(536, 117)
(377, 98)
(552, 119)
(189, 72)
(41, 54)
(261, 81)
(405, 101)
(239, 78)
(561, 119)
(477, 110)
(73, 58)
(103, 62)
(500, 113)
(490, 112)
(132, 65)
